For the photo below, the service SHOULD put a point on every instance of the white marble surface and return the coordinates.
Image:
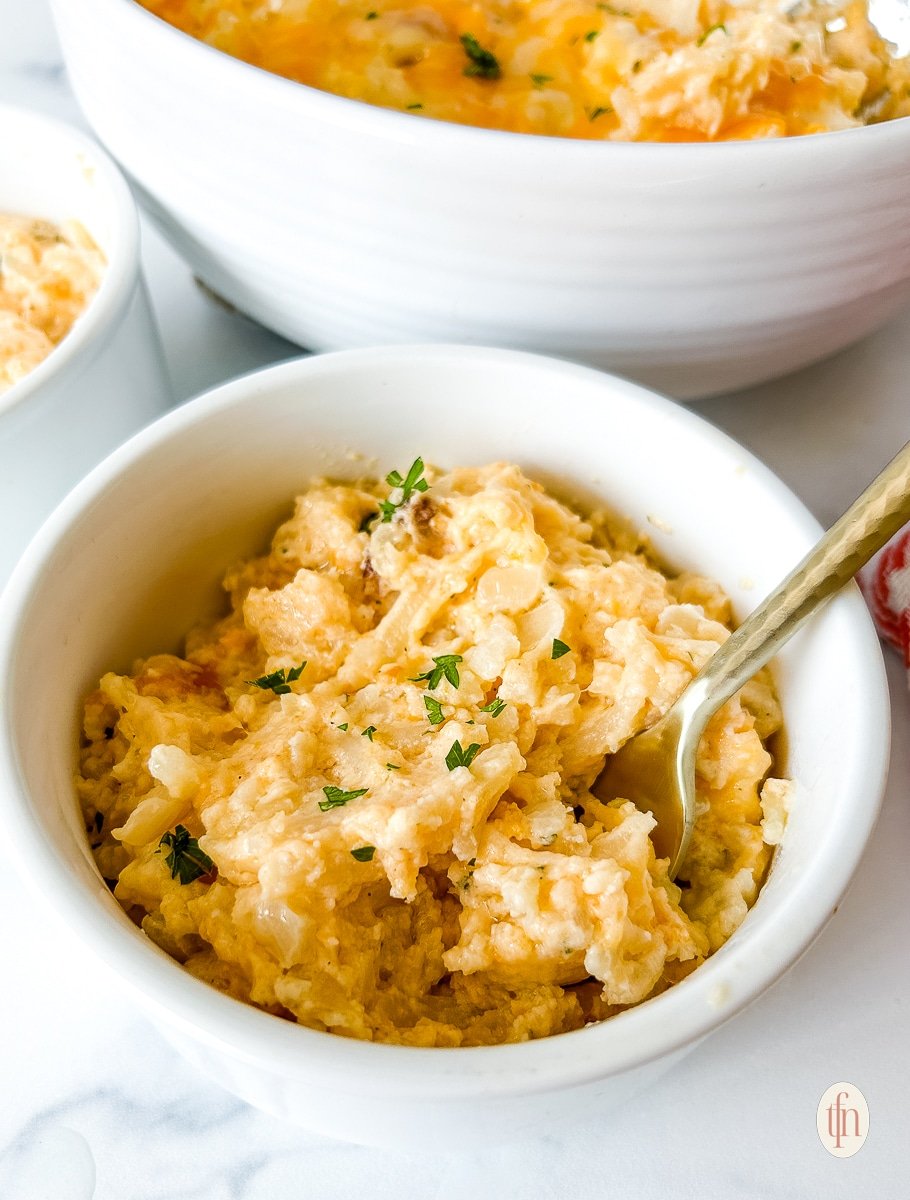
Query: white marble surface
(94, 1104)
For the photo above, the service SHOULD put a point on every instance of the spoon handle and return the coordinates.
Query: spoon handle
(863, 529)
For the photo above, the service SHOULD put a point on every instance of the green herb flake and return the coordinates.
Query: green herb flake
(613, 11)
(592, 34)
(435, 714)
(711, 29)
(467, 877)
(336, 797)
(392, 767)
(540, 80)
(483, 64)
(372, 15)
(364, 853)
(278, 681)
(446, 666)
(414, 107)
(368, 732)
(186, 861)
(559, 649)
(407, 485)
(795, 47)
(495, 707)
(594, 113)
(344, 727)
(459, 757)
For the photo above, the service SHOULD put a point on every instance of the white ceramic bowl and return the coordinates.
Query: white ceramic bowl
(692, 268)
(107, 377)
(132, 558)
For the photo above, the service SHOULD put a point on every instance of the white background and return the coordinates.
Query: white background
(94, 1104)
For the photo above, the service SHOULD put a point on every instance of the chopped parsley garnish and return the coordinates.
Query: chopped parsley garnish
(465, 881)
(414, 107)
(392, 767)
(540, 80)
(368, 732)
(795, 47)
(278, 681)
(364, 853)
(592, 34)
(372, 15)
(711, 29)
(336, 797)
(495, 707)
(594, 113)
(435, 714)
(483, 64)
(186, 860)
(446, 666)
(458, 757)
(344, 727)
(559, 649)
(411, 483)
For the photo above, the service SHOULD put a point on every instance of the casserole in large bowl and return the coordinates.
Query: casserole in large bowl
(694, 268)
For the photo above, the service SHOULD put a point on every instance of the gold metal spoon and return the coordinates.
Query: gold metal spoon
(656, 768)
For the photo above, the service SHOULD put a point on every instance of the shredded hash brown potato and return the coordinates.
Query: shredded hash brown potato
(352, 870)
(48, 274)
(633, 70)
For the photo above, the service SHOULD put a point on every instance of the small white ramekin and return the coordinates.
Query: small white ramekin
(692, 268)
(134, 555)
(107, 377)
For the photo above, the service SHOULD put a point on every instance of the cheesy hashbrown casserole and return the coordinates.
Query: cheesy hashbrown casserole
(360, 800)
(48, 275)
(629, 70)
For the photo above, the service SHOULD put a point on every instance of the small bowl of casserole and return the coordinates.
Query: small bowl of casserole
(694, 266)
(357, 876)
(81, 366)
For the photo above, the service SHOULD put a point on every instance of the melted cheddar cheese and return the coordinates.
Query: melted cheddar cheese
(634, 70)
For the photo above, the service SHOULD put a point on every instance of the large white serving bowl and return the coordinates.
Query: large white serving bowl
(133, 557)
(693, 268)
(107, 377)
